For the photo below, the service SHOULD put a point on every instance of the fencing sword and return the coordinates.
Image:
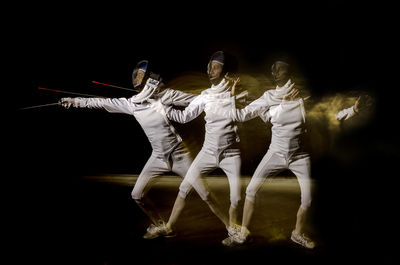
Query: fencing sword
(58, 103)
(74, 93)
(120, 87)
(69, 92)
(41, 106)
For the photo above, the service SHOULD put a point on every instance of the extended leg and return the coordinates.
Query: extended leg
(301, 167)
(176, 211)
(179, 205)
(231, 164)
(181, 163)
(270, 165)
(148, 207)
(300, 220)
(203, 164)
(153, 168)
(248, 210)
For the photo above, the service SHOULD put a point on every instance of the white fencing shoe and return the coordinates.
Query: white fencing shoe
(154, 231)
(236, 236)
(302, 240)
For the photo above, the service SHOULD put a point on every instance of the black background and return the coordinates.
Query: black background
(339, 46)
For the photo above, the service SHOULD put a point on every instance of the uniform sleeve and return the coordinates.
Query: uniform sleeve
(177, 98)
(113, 105)
(195, 108)
(345, 114)
(258, 107)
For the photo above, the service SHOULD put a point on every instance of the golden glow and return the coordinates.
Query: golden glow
(327, 107)
(274, 216)
(255, 135)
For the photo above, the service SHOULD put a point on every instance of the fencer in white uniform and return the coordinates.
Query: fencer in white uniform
(169, 153)
(287, 115)
(219, 149)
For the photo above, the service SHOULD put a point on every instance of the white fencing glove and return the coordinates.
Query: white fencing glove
(68, 102)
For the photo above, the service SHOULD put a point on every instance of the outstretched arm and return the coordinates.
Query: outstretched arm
(177, 98)
(113, 105)
(363, 103)
(191, 112)
(345, 114)
(258, 107)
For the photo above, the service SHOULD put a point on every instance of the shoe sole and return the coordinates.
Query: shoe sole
(159, 235)
(235, 243)
(151, 237)
(299, 243)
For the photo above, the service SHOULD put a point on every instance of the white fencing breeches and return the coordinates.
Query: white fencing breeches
(229, 161)
(275, 162)
(178, 163)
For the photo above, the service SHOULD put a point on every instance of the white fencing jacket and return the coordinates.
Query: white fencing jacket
(221, 131)
(287, 117)
(158, 129)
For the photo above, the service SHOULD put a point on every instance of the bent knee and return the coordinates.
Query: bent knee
(305, 204)
(205, 196)
(235, 200)
(251, 194)
(137, 196)
(185, 188)
(183, 193)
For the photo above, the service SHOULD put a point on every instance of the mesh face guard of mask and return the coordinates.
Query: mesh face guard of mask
(152, 86)
(140, 66)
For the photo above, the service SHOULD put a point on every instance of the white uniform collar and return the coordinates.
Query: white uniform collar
(148, 90)
(223, 86)
(285, 86)
(144, 95)
(283, 90)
